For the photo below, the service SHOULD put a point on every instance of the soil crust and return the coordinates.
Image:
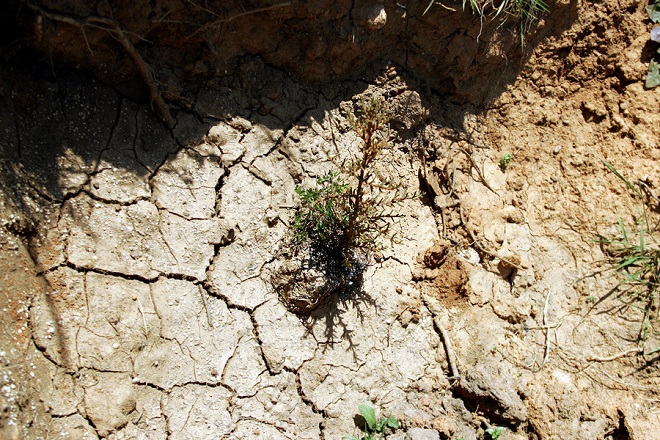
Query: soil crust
(148, 163)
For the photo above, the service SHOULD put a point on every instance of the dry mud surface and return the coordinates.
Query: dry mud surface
(136, 260)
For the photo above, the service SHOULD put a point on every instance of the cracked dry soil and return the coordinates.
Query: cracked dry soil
(136, 259)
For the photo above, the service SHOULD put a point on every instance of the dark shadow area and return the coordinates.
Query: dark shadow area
(332, 312)
(173, 45)
(274, 63)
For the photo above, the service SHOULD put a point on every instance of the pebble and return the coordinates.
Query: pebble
(376, 17)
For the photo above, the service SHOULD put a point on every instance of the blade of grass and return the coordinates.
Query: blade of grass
(622, 228)
(616, 173)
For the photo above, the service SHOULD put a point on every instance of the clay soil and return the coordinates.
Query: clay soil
(148, 163)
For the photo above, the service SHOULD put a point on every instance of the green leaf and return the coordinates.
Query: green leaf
(369, 415)
(653, 76)
(654, 12)
(616, 173)
(622, 228)
(495, 432)
(393, 423)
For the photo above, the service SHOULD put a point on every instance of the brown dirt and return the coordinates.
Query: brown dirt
(574, 96)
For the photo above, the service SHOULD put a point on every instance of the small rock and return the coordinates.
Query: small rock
(469, 255)
(492, 387)
(224, 234)
(220, 134)
(376, 17)
(513, 215)
(241, 124)
(655, 34)
(423, 434)
(436, 255)
(407, 111)
(4, 405)
(509, 262)
(272, 216)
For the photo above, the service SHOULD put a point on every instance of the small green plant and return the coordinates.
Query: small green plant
(495, 432)
(323, 216)
(636, 255)
(505, 160)
(342, 219)
(347, 214)
(653, 75)
(372, 425)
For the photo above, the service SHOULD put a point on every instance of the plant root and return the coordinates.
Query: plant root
(451, 355)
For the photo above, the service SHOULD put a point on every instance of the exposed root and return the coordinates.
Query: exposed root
(616, 356)
(220, 21)
(147, 76)
(451, 355)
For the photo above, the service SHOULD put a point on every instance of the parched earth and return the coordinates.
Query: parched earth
(136, 260)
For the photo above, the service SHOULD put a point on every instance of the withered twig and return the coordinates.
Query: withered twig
(476, 167)
(208, 313)
(546, 352)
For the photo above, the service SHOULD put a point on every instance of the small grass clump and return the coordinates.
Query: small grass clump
(323, 215)
(524, 12)
(635, 254)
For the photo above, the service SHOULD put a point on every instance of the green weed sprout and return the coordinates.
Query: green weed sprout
(323, 216)
(495, 432)
(653, 74)
(505, 160)
(373, 426)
